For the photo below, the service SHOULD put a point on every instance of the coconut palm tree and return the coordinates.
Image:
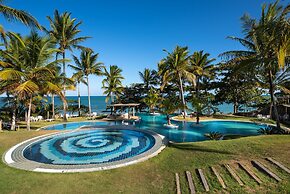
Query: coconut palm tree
(176, 67)
(152, 99)
(267, 41)
(12, 14)
(61, 81)
(169, 105)
(78, 78)
(88, 64)
(28, 69)
(64, 31)
(148, 77)
(112, 83)
(201, 67)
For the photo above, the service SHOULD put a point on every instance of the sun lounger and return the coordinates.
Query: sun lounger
(49, 120)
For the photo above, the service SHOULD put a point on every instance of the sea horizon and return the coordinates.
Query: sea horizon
(98, 103)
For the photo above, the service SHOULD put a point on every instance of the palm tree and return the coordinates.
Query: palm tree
(12, 14)
(201, 67)
(87, 64)
(112, 83)
(61, 81)
(267, 41)
(176, 67)
(152, 99)
(78, 78)
(168, 106)
(64, 31)
(28, 69)
(148, 77)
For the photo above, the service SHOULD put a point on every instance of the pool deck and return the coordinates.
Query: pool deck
(14, 156)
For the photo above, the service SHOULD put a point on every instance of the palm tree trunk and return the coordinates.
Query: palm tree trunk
(89, 98)
(79, 99)
(236, 105)
(13, 122)
(271, 110)
(168, 119)
(273, 101)
(25, 116)
(112, 98)
(64, 89)
(52, 106)
(182, 95)
(28, 114)
(197, 96)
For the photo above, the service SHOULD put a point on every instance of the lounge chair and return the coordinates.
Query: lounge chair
(49, 120)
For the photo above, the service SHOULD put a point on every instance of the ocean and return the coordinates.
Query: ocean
(99, 104)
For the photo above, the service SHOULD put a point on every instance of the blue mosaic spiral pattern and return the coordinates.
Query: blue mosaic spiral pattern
(89, 147)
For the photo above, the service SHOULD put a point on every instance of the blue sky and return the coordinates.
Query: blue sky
(133, 33)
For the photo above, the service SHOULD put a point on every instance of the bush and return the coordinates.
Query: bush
(213, 135)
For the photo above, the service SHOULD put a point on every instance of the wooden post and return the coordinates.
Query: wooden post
(234, 175)
(279, 165)
(203, 179)
(190, 182)
(178, 190)
(221, 181)
(265, 170)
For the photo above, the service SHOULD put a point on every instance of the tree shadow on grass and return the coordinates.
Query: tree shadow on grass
(192, 147)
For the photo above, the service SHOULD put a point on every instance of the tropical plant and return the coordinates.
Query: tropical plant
(169, 105)
(213, 135)
(176, 67)
(271, 130)
(152, 99)
(201, 67)
(149, 77)
(64, 32)
(62, 82)
(28, 69)
(78, 78)
(268, 42)
(86, 65)
(237, 87)
(112, 83)
(12, 14)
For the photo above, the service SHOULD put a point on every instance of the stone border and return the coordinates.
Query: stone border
(14, 156)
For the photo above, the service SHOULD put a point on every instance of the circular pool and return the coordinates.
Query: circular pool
(89, 149)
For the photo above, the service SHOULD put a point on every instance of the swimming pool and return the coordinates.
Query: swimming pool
(186, 132)
(90, 149)
(76, 125)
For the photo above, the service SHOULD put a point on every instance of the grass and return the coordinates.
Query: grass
(157, 174)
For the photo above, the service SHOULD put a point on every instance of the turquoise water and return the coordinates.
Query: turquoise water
(89, 147)
(98, 103)
(186, 131)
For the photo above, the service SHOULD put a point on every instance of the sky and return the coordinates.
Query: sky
(133, 33)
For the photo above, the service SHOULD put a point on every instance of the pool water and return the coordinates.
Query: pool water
(76, 125)
(89, 147)
(186, 132)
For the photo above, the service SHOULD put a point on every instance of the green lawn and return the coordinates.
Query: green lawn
(157, 174)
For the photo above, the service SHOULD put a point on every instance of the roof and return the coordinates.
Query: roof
(123, 105)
